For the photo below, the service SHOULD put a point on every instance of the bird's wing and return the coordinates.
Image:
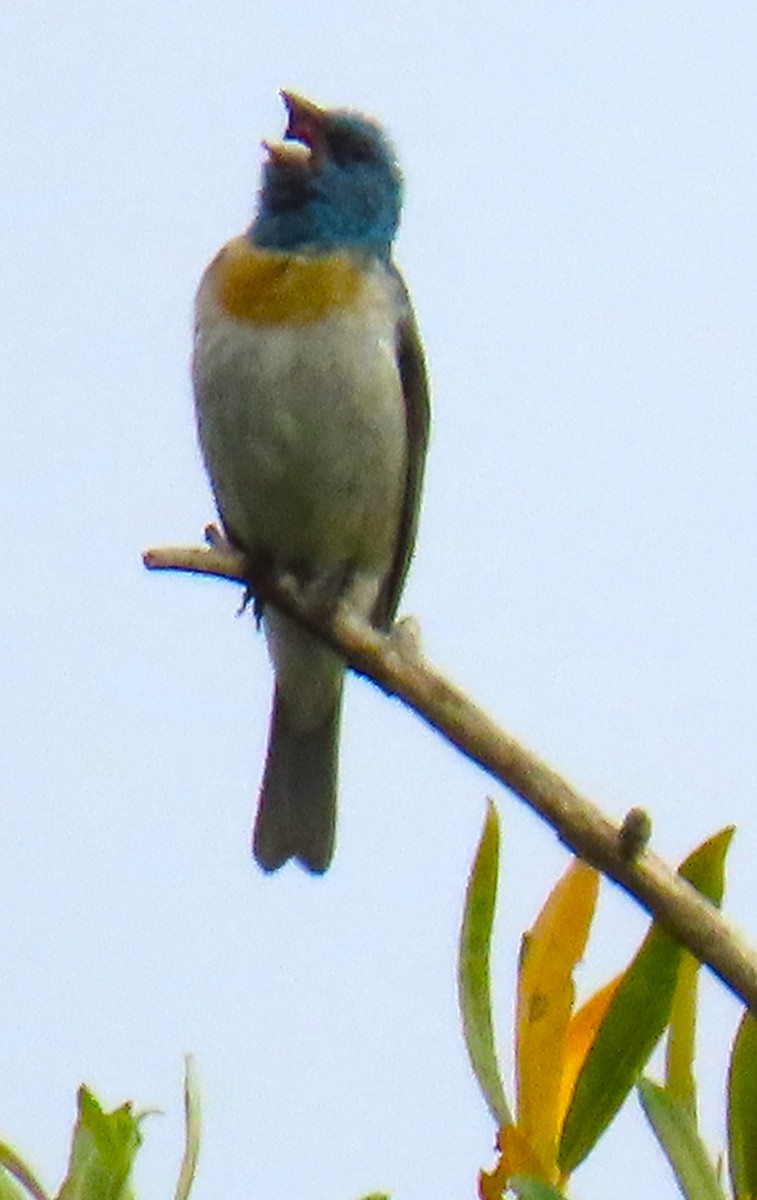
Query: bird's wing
(412, 369)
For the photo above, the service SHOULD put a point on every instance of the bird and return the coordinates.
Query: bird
(312, 410)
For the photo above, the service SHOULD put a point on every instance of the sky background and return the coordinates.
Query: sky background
(579, 240)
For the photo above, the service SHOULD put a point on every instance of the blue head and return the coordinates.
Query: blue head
(334, 184)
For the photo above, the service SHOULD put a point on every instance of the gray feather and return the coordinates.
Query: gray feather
(297, 807)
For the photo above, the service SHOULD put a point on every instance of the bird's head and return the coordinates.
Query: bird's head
(332, 184)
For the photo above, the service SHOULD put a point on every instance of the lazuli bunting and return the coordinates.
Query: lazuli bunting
(312, 411)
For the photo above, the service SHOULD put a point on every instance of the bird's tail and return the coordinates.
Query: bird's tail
(297, 807)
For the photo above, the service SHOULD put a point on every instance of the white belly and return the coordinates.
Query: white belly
(304, 436)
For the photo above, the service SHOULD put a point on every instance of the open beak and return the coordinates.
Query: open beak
(306, 123)
(287, 154)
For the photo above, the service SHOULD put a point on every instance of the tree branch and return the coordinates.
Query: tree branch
(397, 668)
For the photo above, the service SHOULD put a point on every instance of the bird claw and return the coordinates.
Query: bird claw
(249, 598)
(217, 539)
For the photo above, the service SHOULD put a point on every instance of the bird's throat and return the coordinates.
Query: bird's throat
(271, 288)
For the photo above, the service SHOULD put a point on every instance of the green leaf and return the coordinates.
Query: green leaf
(533, 1189)
(102, 1152)
(681, 1040)
(676, 1131)
(474, 981)
(16, 1167)
(705, 866)
(636, 1018)
(191, 1131)
(10, 1190)
(742, 1109)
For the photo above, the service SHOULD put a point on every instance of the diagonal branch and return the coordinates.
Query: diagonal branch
(616, 851)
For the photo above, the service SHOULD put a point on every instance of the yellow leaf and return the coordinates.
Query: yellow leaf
(516, 1158)
(489, 1185)
(545, 1004)
(581, 1033)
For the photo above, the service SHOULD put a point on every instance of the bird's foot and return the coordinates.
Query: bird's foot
(249, 598)
(217, 540)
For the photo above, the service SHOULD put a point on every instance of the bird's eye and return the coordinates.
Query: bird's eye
(347, 148)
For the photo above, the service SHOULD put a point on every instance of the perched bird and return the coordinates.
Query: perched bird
(313, 415)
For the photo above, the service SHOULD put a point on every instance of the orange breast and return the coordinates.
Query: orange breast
(270, 288)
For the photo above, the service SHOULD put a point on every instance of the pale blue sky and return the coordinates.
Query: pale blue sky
(579, 240)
